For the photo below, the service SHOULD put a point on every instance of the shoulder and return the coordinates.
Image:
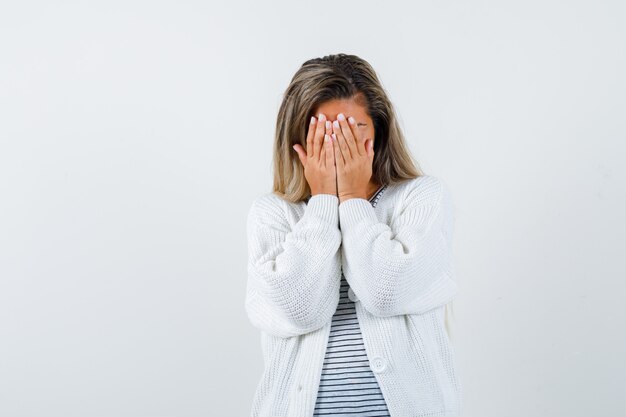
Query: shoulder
(430, 196)
(267, 203)
(267, 200)
(271, 208)
(425, 189)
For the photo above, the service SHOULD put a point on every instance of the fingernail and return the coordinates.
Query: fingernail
(341, 117)
(351, 120)
(321, 117)
(336, 123)
(312, 119)
(327, 124)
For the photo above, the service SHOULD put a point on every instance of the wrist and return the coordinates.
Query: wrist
(328, 192)
(346, 197)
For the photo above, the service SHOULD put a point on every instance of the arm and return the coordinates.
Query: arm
(293, 272)
(405, 268)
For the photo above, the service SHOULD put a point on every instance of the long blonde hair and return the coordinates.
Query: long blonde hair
(338, 76)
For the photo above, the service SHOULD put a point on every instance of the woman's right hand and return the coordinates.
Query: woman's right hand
(319, 159)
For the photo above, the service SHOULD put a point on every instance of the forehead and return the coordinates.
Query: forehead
(349, 107)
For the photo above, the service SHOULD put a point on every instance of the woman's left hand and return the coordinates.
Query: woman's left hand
(353, 159)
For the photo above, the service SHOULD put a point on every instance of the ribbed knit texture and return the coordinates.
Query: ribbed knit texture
(348, 386)
(397, 259)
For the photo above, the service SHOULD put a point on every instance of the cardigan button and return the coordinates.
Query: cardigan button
(299, 387)
(378, 364)
(352, 296)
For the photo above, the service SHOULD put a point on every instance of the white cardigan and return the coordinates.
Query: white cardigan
(397, 259)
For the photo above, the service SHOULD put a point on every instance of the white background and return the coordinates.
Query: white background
(134, 135)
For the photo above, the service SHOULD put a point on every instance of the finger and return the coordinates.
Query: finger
(318, 141)
(329, 131)
(298, 148)
(346, 130)
(369, 147)
(328, 151)
(322, 160)
(333, 154)
(358, 139)
(339, 161)
(329, 128)
(310, 135)
(343, 144)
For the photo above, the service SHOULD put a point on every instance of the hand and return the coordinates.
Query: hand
(319, 159)
(354, 156)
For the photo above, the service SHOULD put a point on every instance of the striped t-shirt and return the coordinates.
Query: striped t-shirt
(348, 387)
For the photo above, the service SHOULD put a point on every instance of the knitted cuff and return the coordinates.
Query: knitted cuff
(324, 207)
(355, 210)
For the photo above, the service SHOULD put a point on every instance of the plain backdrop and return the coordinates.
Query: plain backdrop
(135, 135)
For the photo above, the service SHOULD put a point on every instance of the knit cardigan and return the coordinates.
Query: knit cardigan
(397, 259)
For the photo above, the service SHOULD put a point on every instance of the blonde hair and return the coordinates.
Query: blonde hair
(336, 77)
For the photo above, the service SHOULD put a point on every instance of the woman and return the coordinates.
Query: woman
(350, 259)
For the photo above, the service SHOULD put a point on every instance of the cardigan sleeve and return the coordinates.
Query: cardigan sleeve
(294, 272)
(405, 267)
